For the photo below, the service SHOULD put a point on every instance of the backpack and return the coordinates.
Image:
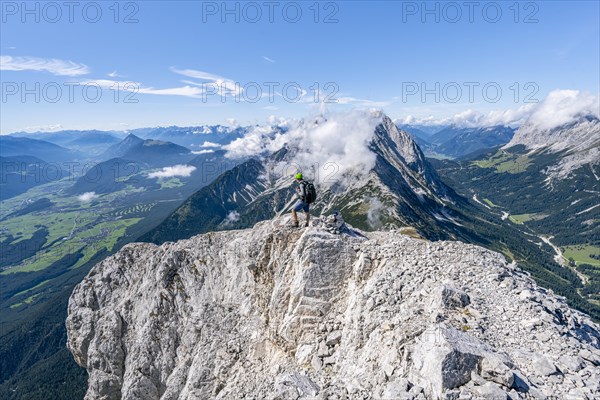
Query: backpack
(311, 193)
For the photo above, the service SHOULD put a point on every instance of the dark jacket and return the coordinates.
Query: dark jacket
(301, 190)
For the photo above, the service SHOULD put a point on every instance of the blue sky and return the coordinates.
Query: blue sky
(373, 54)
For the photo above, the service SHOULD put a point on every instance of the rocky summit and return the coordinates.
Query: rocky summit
(326, 312)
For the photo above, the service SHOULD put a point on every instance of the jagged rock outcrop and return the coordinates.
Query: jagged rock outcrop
(280, 313)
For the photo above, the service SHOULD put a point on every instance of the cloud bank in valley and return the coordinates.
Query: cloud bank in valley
(87, 196)
(232, 217)
(175, 170)
(207, 151)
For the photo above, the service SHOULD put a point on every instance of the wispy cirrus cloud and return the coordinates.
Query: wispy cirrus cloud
(205, 85)
(360, 102)
(138, 87)
(267, 59)
(192, 73)
(187, 91)
(51, 65)
(210, 83)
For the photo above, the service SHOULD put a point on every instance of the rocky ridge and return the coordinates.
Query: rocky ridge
(578, 141)
(326, 312)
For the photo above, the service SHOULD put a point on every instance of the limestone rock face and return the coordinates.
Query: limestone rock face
(275, 312)
(579, 140)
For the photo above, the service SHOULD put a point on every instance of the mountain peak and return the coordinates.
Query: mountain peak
(380, 179)
(277, 312)
(132, 138)
(405, 147)
(577, 134)
(577, 143)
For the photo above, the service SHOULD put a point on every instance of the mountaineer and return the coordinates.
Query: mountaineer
(306, 195)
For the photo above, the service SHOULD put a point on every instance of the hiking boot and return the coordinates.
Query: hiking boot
(295, 224)
(306, 225)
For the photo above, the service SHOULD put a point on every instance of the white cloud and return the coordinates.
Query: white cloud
(112, 84)
(414, 120)
(359, 102)
(474, 119)
(192, 73)
(51, 65)
(268, 59)
(255, 142)
(563, 106)
(203, 151)
(137, 87)
(210, 144)
(233, 216)
(175, 170)
(114, 74)
(43, 128)
(186, 91)
(374, 213)
(211, 84)
(558, 108)
(282, 122)
(87, 196)
(336, 147)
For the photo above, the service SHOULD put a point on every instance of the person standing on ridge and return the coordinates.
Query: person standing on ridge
(306, 194)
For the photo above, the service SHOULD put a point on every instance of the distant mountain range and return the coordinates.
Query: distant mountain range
(91, 142)
(193, 137)
(103, 145)
(156, 153)
(455, 142)
(44, 150)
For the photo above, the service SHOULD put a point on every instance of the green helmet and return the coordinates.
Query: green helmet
(298, 175)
